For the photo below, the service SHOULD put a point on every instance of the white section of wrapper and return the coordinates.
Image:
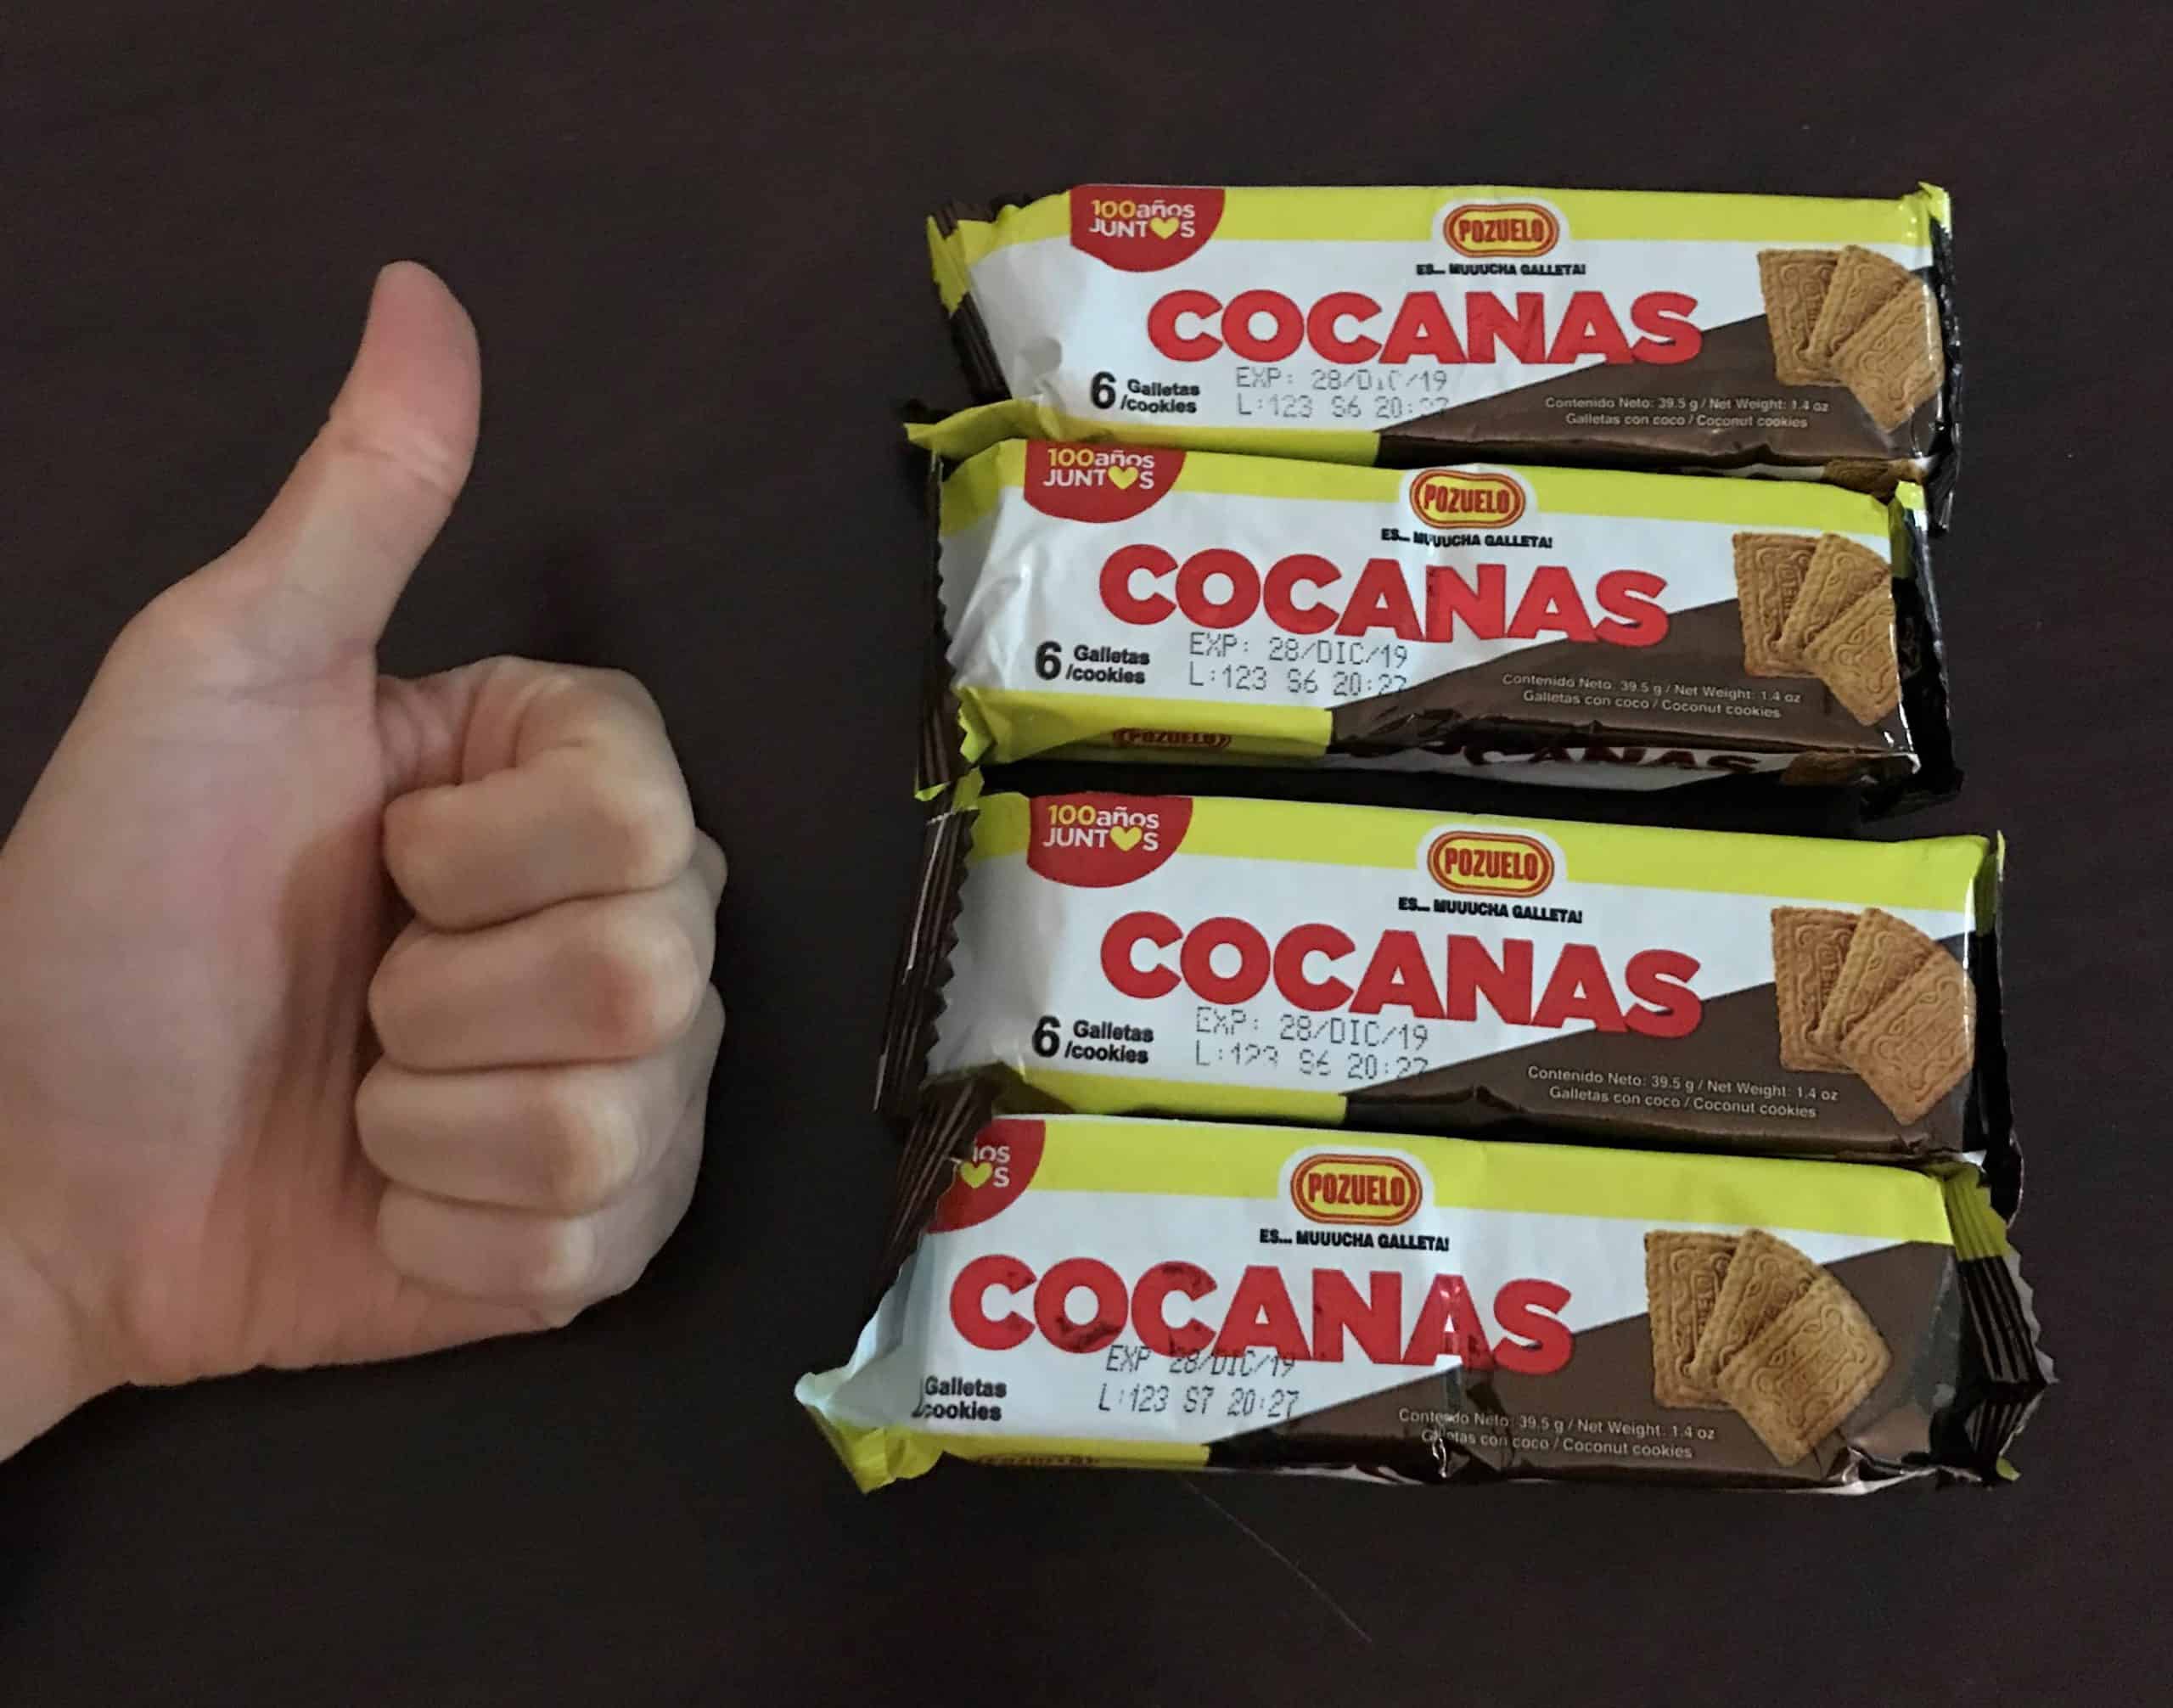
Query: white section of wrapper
(1018, 578)
(1056, 317)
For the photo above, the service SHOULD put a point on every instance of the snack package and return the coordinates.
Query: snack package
(1193, 1295)
(1380, 967)
(1418, 326)
(1576, 626)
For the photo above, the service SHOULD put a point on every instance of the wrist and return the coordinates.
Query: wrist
(45, 1373)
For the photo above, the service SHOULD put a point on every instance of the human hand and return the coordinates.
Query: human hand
(259, 1107)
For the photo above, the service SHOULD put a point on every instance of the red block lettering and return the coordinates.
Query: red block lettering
(1534, 1343)
(1261, 1315)
(1119, 944)
(1375, 1322)
(1052, 1304)
(970, 1303)
(1117, 584)
(1149, 1318)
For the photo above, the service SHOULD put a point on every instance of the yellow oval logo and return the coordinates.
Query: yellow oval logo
(1490, 230)
(1377, 1191)
(1457, 498)
(1489, 862)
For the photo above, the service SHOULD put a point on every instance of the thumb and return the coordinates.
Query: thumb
(315, 580)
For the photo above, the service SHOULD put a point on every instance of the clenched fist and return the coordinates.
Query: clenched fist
(341, 1017)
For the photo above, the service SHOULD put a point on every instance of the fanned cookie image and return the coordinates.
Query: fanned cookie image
(1810, 944)
(1864, 281)
(1881, 954)
(1751, 1324)
(1769, 572)
(1917, 1044)
(1794, 281)
(1683, 1272)
(1894, 363)
(1841, 572)
(1797, 1380)
(1764, 1276)
(1855, 656)
(1871, 995)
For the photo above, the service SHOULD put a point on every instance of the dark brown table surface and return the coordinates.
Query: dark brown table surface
(690, 235)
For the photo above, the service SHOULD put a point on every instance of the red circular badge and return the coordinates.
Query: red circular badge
(999, 1166)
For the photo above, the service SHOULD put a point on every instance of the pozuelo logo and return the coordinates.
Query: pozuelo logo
(1465, 498)
(1489, 862)
(1349, 1187)
(1491, 231)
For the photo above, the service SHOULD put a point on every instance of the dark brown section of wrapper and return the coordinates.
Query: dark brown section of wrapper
(1699, 662)
(1731, 375)
(1938, 1403)
(1478, 714)
(1739, 1094)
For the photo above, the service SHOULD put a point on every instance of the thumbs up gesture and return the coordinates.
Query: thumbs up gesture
(341, 1017)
